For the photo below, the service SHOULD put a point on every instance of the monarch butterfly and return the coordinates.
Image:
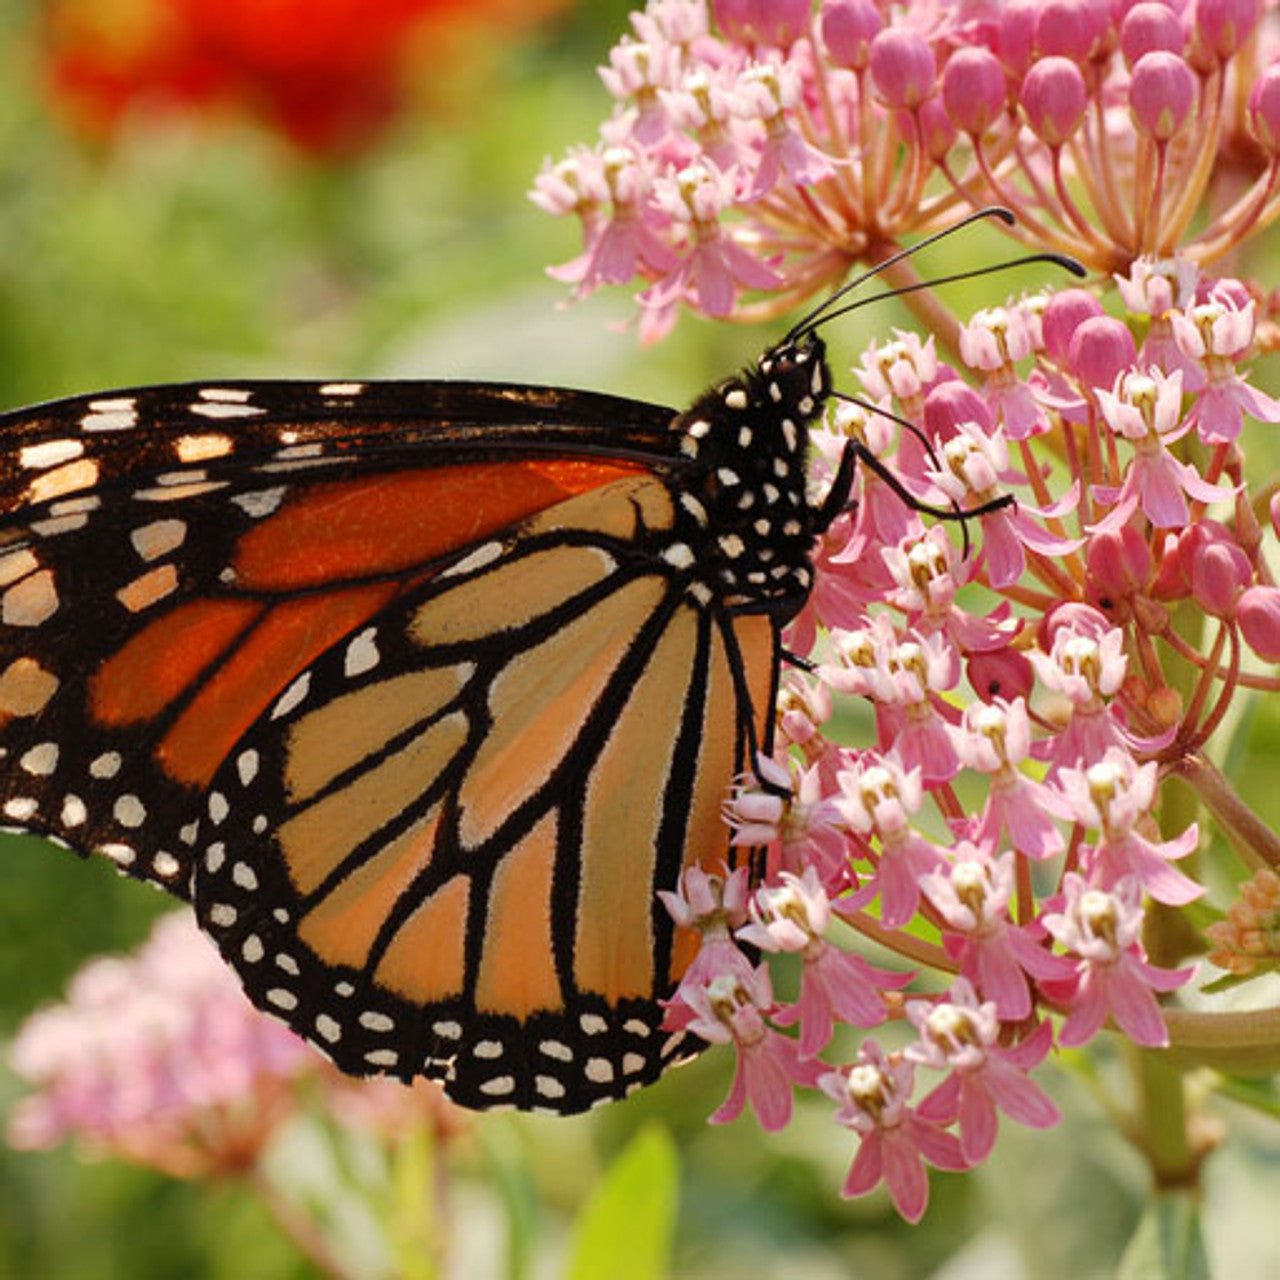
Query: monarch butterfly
(418, 691)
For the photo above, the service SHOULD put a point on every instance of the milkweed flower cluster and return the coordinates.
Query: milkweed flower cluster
(1005, 838)
(769, 146)
(159, 1059)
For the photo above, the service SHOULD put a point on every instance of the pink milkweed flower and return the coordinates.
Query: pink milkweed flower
(992, 342)
(1218, 333)
(794, 816)
(637, 70)
(1088, 673)
(1103, 930)
(1157, 287)
(714, 265)
(974, 463)
(910, 678)
(1146, 408)
(792, 916)
(873, 1096)
(707, 907)
(995, 738)
(1117, 795)
(882, 517)
(731, 1008)
(767, 92)
(971, 891)
(961, 1034)
(159, 1058)
(878, 797)
(904, 369)
(928, 573)
(703, 104)
(804, 706)
(626, 241)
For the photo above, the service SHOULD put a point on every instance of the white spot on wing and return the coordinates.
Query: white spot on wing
(49, 453)
(259, 504)
(362, 653)
(341, 388)
(292, 696)
(29, 602)
(41, 760)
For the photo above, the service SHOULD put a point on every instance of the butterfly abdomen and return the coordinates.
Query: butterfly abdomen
(748, 437)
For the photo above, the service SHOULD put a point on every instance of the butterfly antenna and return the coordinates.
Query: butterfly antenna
(1057, 259)
(815, 317)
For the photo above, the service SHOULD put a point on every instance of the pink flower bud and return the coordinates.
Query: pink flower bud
(1003, 673)
(1054, 98)
(1071, 28)
(1162, 92)
(1275, 512)
(848, 28)
(1258, 613)
(1173, 580)
(1083, 619)
(1101, 349)
(973, 89)
(1016, 35)
(1219, 573)
(1223, 25)
(951, 403)
(1062, 316)
(1149, 27)
(777, 23)
(903, 68)
(1118, 564)
(936, 129)
(1264, 108)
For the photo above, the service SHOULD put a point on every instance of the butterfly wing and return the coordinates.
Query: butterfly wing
(437, 852)
(409, 685)
(171, 557)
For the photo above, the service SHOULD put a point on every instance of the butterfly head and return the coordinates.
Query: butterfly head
(747, 439)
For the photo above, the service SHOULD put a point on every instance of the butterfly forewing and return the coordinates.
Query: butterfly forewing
(171, 557)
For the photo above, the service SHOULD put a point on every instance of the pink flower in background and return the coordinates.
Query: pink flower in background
(159, 1059)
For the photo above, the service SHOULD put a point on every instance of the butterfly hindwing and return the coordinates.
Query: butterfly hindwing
(437, 852)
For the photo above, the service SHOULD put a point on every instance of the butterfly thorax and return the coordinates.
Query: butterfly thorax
(749, 437)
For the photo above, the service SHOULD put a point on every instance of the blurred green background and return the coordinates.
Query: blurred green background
(175, 247)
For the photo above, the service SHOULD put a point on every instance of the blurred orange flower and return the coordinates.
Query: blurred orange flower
(328, 74)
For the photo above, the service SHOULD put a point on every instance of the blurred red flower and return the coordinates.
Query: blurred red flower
(328, 74)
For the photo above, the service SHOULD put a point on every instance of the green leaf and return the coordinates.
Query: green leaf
(624, 1231)
(1169, 1242)
(1261, 1094)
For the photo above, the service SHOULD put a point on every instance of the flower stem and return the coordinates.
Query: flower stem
(1257, 844)
(1162, 1132)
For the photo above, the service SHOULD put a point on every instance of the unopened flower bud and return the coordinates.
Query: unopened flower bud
(1149, 27)
(936, 130)
(1001, 673)
(1118, 563)
(1219, 574)
(1066, 311)
(1081, 618)
(848, 28)
(903, 68)
(973, 89)
(777, 23)
(1054, 98)
(1015, 37)
(1101, 349)
(1264, 108)
(1162, 91)
(1222, 26)
(1258, 613)
(951, 403)
(1072, 28)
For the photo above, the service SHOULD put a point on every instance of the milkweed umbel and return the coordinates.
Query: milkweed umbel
(418, 691)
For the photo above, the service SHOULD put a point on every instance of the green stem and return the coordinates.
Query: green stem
(1257, 844)
(1163, 1132)
(1245, 1042)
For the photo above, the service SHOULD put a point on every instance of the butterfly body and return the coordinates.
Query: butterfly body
(418, 691)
